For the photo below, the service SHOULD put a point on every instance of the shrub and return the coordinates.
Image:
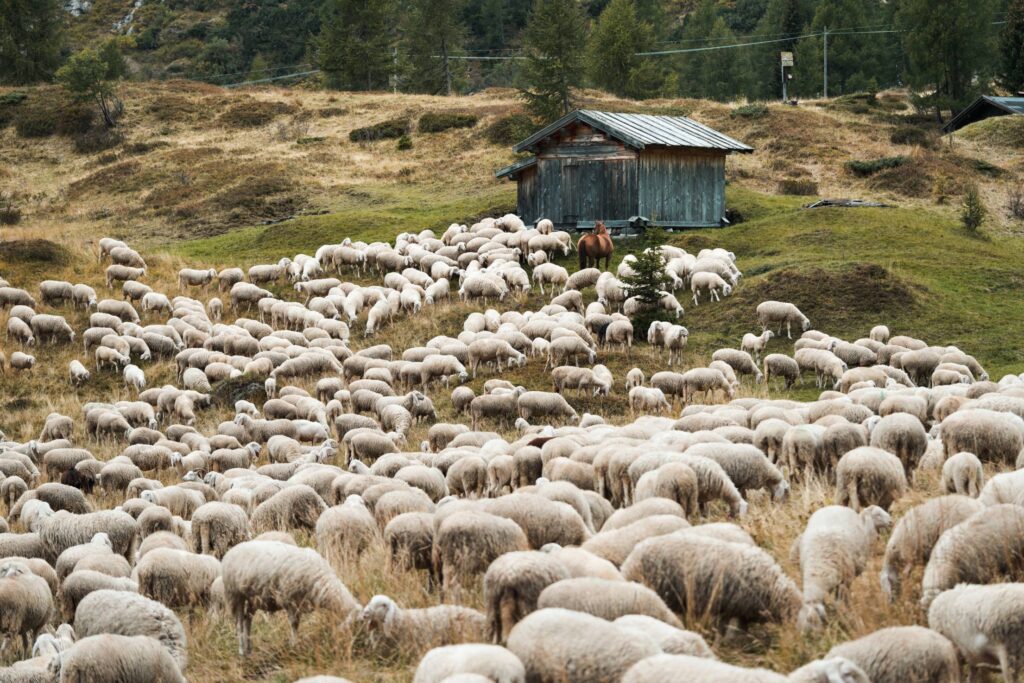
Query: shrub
(310, 140)
(1016, 203)
(97, 139)
(12, 98)
(911, 135)
(972, 211)
(9, 213)
(982, 166)
(508, 130)
(386, 130)
(436, 122)
(328, 112)
(404, 142)
(254, 113)
(803, 188)
(648, 278)
(750, 111)
(35, 122)
(869, 167)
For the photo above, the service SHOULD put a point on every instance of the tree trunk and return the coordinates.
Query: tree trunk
(446, 63)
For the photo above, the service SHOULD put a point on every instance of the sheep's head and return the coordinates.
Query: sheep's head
(102, 538)
(877, 518)
(781, 491)
(811, 617)
(379, 611)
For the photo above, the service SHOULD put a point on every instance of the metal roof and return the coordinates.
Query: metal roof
(515, 168)
(642, 130)
(1007, 105)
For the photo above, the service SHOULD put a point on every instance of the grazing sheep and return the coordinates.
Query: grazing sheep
(513, 583)
(563, 646)
(606, 598)
(25, 601)
(834, 549)
(904, 436)
(648, 400)
(985, 624)
(467, 542)
(64, 530)
(130, 614)
(712, 283)
(756, 344)
(703, 577)
(985, 548)
(902, 653)
(176, 578)
(113, 658)
(272, 576)
(781, 313)
(917, 532)
(992, 436)
(294, 507)
(781, 365)
(963, 473)
(869, 476)
(421, 628)
(470, 663)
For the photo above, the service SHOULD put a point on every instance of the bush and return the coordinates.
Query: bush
(802, 188)
(508, 130)
(9, 213)
(404, 143)
(750, 111)
(972, 211)
(982, 166)
(49, 117)
(1016, 204)
(871, 166)
(911, 135)
(386, 130)
(97, 139)
(12, 98)
(254, 113)
(436, 122)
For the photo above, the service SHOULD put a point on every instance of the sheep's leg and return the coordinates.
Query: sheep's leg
(789, 331)
(695, 299)
(242, 624)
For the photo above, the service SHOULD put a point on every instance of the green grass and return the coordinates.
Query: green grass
(1000, 131)
(371, 214)
(847, 269)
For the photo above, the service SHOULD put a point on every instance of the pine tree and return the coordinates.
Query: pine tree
(648, 281)
(949, 46)
(1011, 48)
(432, 34)
(612, 63)
(555, 39)
(715, 73)
(855, 61)
(354, 48)
(973, 211)
(31, 40)
(781, 18)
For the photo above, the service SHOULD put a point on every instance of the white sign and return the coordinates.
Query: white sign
(787, 59)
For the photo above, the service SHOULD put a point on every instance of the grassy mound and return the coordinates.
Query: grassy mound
(1000, 131)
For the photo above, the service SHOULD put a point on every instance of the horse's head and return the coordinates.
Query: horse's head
(599, 228)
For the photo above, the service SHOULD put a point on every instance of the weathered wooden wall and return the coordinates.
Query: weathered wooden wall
(582, 175)
(682, 187)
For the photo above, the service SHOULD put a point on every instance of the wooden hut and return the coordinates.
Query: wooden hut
(983, 108)
(595, 165)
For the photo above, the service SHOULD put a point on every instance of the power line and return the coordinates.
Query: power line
(723, 47)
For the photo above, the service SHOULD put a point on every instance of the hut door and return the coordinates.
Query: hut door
(570, 192)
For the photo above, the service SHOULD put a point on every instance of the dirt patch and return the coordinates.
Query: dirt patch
(34, 251)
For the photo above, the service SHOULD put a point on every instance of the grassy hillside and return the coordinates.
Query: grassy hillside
(190, 185)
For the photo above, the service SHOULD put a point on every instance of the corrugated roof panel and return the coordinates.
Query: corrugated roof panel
(671, 131)
(641, 130)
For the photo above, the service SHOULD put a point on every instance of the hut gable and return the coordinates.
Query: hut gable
(591, 165)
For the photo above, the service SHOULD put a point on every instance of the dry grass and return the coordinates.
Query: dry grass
(183, 175)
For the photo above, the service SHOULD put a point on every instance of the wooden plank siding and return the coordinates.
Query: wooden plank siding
(583, 175)
(681, 188)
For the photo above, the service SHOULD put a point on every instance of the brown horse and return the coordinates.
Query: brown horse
(595, 246)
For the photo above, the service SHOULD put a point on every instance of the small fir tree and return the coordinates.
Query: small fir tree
(973, 211)
(556, 39)
(648, 281)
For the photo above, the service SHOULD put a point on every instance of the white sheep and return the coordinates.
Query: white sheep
(985, 625)
(781, 313)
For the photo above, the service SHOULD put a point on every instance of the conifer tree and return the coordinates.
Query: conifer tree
(612, 63)
(31, 40)
(354, 48)
(1011, 49)
(432, 35)
(554, 40)
(648, 280)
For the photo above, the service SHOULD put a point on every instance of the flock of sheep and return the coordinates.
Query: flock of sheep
(593, 541)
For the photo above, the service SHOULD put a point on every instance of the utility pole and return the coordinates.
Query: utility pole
(825, 34)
